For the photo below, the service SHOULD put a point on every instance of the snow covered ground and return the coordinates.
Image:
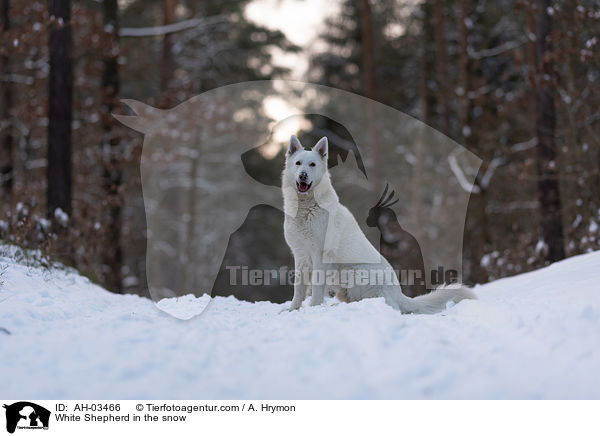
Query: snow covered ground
(536, 335)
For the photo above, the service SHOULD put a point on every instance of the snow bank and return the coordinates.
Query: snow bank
(536, 335)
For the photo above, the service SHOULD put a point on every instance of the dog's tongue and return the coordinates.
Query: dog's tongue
(303, 187)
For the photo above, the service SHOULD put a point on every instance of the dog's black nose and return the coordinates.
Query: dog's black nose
(303, 176)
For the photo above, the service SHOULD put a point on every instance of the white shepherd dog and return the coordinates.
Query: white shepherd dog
(330, 250)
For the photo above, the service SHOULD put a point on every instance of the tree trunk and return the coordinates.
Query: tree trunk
(547, 165)
(6, 137)
(483, 243)
(480, 274)
(112, 254)
(425, 103)
(442, 64)
(367, 49)
(463, 69)
(168, 63)
(60, 108)
(370, 92)
(426, 99)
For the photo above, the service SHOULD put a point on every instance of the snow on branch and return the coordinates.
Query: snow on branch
(525, 145)
(489, 171)
(495, 51)
(17, 78)
(494, 164)
(459, 174)
(169, 28)
(498, 161)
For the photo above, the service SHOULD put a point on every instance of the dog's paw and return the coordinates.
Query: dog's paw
(289, 309)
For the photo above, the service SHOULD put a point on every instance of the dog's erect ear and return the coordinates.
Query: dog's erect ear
(322, 147)
(294, 145)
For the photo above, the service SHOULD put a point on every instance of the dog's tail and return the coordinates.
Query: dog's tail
(434, 302)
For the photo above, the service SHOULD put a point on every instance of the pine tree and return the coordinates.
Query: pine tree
(111, 150)
(60, 84)
(547, 165)
(6, 97)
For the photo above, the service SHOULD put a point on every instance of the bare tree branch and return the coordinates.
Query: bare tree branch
(495, 51)
(459, 174)
(169, 28)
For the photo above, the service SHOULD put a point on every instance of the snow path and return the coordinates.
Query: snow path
(536, 335)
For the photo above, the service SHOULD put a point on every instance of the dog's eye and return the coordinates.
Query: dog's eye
(298, 163)
(312, 164)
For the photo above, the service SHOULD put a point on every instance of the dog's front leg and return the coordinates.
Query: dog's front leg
(300, 285)
(318, 284)
(299, 295)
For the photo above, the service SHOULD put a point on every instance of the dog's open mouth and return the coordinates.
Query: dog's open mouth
(303, 186)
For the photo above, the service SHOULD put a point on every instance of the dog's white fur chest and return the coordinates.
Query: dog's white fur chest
(304, 232)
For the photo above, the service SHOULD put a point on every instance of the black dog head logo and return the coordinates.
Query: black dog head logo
(26, 414)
